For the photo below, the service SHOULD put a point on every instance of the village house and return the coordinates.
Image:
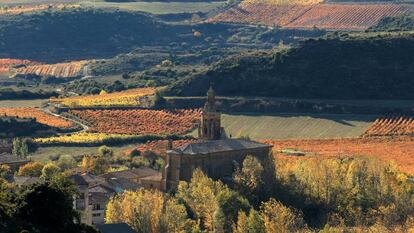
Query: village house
(96, 191)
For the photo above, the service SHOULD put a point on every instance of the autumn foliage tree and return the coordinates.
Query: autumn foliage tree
(33, 169)
(149, 211)
(356, 191)
(96, 165)
(213, 203)
(249, 178)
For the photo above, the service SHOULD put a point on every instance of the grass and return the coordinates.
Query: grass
(21, 103)
(296, 126)
(44, 153)
(158, 7)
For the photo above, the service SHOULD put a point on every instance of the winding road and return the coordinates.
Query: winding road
(83, 126)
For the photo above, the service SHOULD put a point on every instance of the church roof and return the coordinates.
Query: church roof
(215, 146)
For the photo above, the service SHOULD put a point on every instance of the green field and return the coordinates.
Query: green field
(158, 7)
(21, 103)
(45, 153)
(293, 126)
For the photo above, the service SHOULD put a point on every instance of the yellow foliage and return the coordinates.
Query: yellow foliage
(31, 169)
(124, 98)
(85, 138)
(360, 190)
(279, 218)
(200, 194)
(144, 211)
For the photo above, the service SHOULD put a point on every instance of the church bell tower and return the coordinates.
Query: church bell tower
(210, 125)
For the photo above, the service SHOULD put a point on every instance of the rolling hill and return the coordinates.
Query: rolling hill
(86, 33)
(337, 67)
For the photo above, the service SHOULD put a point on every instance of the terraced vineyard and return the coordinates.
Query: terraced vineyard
(131, 97)
(155, 122)
(6, 64)
(391, 126)
(333, 16)
(41, 117)
(348, 16)
(262, 14)
(59, 70)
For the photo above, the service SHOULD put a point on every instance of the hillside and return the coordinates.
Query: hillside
(80, 34)
(355, 16)
(340, 67)
(401, 23)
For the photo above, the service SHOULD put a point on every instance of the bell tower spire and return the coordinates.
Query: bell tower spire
(210, 126)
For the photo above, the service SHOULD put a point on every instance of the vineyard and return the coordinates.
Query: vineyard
(391, 126)
(87, 138)
(6, 64)
(348, 16)
(138, 121)
(133, 97)
(41, 117)
(335, 16)
(398, 150)
(59, 70)
(25, 9)
(262, 14)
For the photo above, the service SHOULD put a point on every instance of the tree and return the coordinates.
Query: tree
(47, 209)
(230, 203)
(279, 218)
(7, 207)
(176, 218)
(50, 170)
(33, 169)
(159, 100)
(96, 165)
(66, 162)
(200, 195)
(141, 210)
(249, 179)
(4, 170)
(211, 202)
(20, 147)
(16, 146)
(105, 151)
(253, 223)
(150, 211)
(242, 225)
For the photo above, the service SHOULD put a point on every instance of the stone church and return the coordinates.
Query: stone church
(217, 155)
